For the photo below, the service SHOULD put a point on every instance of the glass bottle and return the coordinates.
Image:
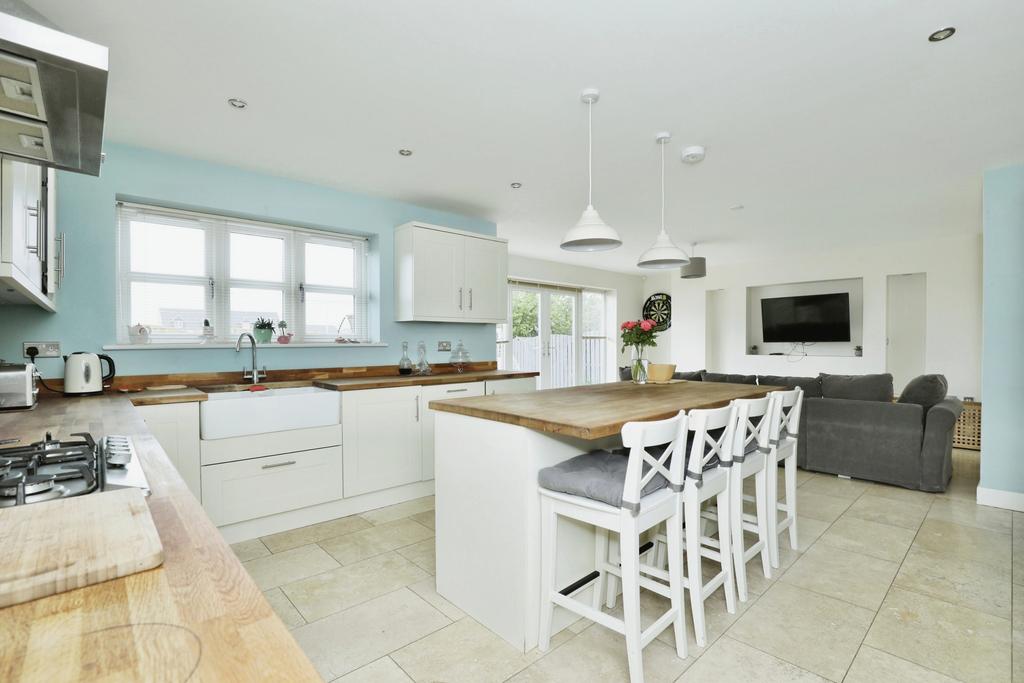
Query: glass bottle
(460, 357)
(422, 366)
(405, 365)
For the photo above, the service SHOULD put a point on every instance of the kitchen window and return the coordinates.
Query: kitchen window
(178, 269)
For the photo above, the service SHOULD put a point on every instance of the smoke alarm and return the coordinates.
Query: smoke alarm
(694, 154)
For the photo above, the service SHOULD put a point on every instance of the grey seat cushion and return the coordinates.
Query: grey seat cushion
(810, 385)
(598, 475)
(695, 376)
(730, 379)
(925, 391)
(625, 373)
(857, 387)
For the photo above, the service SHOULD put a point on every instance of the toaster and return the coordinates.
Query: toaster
(17, 386)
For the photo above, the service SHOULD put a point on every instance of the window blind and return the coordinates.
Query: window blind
(179, 268)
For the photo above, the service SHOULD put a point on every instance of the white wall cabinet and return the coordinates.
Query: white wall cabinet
(381, 429)
(28, 263)
(176, 429)
(437, 393)
(517, 385)
(446, 275)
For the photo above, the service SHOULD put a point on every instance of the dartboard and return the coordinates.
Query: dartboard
(658, 308)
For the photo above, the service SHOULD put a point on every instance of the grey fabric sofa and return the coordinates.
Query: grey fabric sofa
(863, 434)
(851, 426)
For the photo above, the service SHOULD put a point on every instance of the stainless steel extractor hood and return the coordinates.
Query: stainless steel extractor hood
(53, 92)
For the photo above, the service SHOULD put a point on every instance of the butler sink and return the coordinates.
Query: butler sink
(239, 413)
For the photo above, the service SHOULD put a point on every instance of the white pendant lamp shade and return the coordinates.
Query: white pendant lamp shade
(590, 233)
(663, 253)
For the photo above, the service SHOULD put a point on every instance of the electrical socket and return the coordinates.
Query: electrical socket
(46, 349)
(444, 346)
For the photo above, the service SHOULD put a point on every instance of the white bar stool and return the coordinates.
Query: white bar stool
(707, 478)
(751, 454)
(783, 439)
(627, 495)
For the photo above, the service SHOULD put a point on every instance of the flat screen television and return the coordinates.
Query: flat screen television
(814, 318)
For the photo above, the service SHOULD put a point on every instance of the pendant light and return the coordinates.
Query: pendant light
(696, 268)
(663, 253)
(590, 233)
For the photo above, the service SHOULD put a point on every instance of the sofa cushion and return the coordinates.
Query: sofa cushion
(810, 385)
(694, 376)
(625, 373)
(729, 379)
(598, 475)
(925, 391)
(857, 387)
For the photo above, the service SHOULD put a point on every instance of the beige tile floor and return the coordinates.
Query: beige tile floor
(888, 585)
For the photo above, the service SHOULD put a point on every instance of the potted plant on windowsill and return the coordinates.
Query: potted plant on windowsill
(638, 335)
(263, 330)
(285, 336)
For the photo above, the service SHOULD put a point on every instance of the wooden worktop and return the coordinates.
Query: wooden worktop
(420, 380)
(599, 410)
(160, 397)
(199, 611)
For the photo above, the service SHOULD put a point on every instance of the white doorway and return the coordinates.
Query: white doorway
(906, 322)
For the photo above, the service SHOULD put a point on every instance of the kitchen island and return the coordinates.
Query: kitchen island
(488, 452)
(198, 617)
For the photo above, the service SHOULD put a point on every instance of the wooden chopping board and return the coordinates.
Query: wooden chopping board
(69, 543)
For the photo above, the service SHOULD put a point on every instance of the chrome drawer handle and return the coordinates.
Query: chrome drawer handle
(279, 464)
(456, 391)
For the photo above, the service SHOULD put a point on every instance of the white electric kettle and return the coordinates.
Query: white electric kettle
(83, 374)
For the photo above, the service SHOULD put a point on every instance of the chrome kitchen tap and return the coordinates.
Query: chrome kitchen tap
(255, 375)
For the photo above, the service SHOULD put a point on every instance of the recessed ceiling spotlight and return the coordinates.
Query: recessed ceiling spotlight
(237, 103)
(405, 152)
(942, 34)
(737, 207)
(516, 186)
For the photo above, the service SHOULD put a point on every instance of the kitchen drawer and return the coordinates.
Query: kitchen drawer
(247, 489)
(272, 443)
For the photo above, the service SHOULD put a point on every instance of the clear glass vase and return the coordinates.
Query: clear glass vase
(638, 367)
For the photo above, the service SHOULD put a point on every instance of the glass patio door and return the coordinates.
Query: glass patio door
(556, 331)
(559, 338)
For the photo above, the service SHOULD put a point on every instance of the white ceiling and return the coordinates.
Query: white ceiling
(832, 122)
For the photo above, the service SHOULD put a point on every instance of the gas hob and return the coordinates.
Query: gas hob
(53, 468)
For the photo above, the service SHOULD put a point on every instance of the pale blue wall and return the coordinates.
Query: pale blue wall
(1002, 449)
(86, 319)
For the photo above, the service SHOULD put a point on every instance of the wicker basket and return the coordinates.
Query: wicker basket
(968, 427)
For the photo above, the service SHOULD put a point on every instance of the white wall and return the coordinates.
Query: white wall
(629, 289)
(953, 267)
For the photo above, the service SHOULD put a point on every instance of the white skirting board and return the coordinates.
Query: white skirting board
(293, 519)
(1008, 500)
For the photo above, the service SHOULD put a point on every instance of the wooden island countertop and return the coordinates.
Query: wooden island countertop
(599, 410)
(198, 617)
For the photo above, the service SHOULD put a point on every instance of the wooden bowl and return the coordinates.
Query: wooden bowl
(660, 372)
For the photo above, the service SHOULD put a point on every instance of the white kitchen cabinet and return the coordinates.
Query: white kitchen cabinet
(28, 266)
(257, 487)
(446, 275)
(381, 430)
(176, 428)
(437, 393)
(518, 385)
(486, 279)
